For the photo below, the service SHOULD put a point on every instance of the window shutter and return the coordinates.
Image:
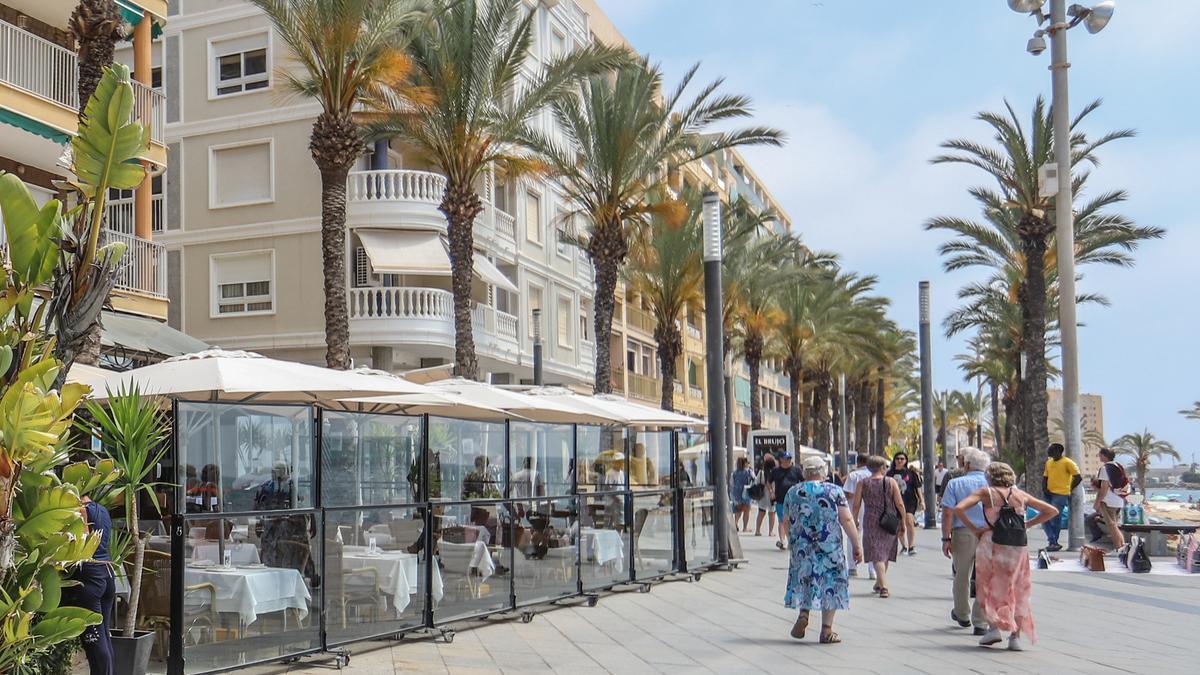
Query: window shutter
(362, 268)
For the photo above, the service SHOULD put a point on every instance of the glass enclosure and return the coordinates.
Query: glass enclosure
(695, 512)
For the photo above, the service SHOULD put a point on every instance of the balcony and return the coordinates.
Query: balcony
(393, 197)
(587, 354)
(119, 214)
(645, 387)
(425, 316)
(640, 320)
(144, 266)
(695, 392)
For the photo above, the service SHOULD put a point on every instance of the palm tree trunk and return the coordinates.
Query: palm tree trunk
(461, 205)
(135, 581)
(1032, 295)
(1141, 465)
(994, 387)
(882, 432)
(836, 415)
(821, 412)
(849, 415)
(607, 250)
(862, 422)
(808, 431)
(754, 347)
(792, 366)
(670, 345)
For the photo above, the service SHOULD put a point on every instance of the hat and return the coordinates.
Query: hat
(813, 464)
(785, 455)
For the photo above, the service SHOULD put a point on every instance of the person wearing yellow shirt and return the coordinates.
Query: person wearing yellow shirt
(1058, 481)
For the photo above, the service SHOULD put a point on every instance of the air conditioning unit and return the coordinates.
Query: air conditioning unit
(1048, 180)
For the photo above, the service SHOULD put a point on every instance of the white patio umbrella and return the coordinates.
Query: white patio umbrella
(536, 408)
(81, 373)
(245, 377)
(615, 408)
(431, 401)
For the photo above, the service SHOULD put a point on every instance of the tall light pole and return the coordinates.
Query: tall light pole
(1094, 19)
(926, 345)
(715, 359)
(844, 435)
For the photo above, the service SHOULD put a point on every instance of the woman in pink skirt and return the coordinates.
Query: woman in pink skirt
(1002, 572)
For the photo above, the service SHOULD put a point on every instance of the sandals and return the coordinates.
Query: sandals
(828, 637)
(883, 593)
(875, 588)
(800, 626)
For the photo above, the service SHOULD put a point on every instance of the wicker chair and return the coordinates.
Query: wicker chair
(154, 603)
(358, 588)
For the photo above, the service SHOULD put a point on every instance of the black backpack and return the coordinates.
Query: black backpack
(1139, 562)
(1009, 528)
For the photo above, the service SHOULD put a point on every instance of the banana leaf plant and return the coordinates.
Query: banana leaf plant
(133, 430)
(60, 258)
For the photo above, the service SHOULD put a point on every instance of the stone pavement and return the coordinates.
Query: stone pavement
(734, 622)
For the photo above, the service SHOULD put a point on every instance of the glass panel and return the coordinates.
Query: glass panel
(230, 66)
(251, 457)
(265, 605)
(650, 460)
(692, 468)
(258, 288)
(466, 459)
(474, 552)
(546, 551)
(541, 460)
(698, 528)
(257, 84)
(600, 463)
(369, 459)
(653, 535)
(603, 541)
(376, 582)
(255, 62)
(232, 290)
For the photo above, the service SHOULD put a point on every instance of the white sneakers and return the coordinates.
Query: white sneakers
(990, 638)
(1014, 644)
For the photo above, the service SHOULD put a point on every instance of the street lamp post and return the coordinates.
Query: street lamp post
(537, 348)
(926, 344)
(1094, 19)
(715, 359)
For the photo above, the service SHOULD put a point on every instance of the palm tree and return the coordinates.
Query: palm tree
(624, 136)
(473, 115)
(968, 409)
(350, 55)
(96, 26)
(1025, 242)
(1192, 413)
(665, 269)
(1142, 448)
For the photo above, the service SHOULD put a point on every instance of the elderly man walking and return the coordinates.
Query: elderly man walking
(958, 542)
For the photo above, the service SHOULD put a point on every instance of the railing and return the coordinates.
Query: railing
(678, 386)
(695, 392)
(395, 185)
(491, 321)
(506, 325)
(143, 268)
(120, 216)
(640, 319)
(645, 387)
(506, 225)
(587, 351)
(38, 66)
(150, 109)
(401, 303)
(694, 332)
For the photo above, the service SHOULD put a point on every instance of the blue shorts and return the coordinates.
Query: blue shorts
(779, 511)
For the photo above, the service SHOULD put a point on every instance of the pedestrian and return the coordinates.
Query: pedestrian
(909, 482)
(783, 477)
(877, 498)
(1002, 582)
(958, 541)
(1059, 480)
(851, 487)
(766, 502)
(1112, 485)
(739, 486)
(95, 590)
(939, 472)
(816, 515)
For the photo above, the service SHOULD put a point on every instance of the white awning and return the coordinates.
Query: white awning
(406, 252)
(490, 274)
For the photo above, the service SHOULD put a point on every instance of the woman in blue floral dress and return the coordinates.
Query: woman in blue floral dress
(816, 516)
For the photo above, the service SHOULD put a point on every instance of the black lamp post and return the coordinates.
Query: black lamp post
(715, 357)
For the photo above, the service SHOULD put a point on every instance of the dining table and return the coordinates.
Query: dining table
(602, 547)
(251, 591)
(399, 573)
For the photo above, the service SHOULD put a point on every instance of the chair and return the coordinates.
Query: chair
(291, 554)
(154, 603)
(639, 522)
(456, 559)
(344, 588)
(406, 532)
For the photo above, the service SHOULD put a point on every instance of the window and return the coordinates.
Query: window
(241, 174)
(533, 221)
(535, 302)
(243, 283)
(558, 44)
(562, 228)
(584, 329)
(564, 322)
(156, 78)
(240, 64)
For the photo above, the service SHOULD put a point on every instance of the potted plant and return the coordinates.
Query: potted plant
(133, 430)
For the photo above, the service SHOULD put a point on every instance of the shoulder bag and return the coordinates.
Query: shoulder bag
(889, 520)
(1139, 562)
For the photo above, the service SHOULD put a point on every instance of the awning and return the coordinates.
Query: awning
(406, 252)
(33, 126)
(490, 274)
(141, 334)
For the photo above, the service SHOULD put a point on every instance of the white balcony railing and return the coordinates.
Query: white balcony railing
(695, 392)
(396, 185)
(120, 215)
(401, 303)
(587, 352)
(150, 110)
(506, 225)
(144, 267)
(38, 66)
(489, 321)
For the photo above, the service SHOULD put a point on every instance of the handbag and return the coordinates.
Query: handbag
(889, 520)
(1139, 562)
(756, 491)
(1009, 528)
(1043, 560)
(1092, 558)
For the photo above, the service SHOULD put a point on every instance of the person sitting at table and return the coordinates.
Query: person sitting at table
(284, 540)
(641, 468)
(479, 483)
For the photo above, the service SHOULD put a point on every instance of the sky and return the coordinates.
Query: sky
(867, 89)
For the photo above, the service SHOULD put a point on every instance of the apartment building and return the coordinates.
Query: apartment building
(39, 104)
(1091, 421)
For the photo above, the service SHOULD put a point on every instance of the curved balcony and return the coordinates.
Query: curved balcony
(395, 198)
(425, 316)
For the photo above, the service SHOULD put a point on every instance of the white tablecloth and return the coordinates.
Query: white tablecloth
(602, 546)
(476, 553)
(250, 592)
(398, 573)
(241, 554)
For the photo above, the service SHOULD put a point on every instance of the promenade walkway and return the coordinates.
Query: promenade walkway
(733, 622)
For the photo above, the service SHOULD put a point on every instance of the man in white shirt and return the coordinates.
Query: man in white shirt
(1109, 483)
(851, 488)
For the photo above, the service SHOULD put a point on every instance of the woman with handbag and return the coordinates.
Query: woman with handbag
(1002, 582)
(739, 486)
(883, 520)
(766, 496)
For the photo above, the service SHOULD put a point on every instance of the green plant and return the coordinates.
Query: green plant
(133, 430)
